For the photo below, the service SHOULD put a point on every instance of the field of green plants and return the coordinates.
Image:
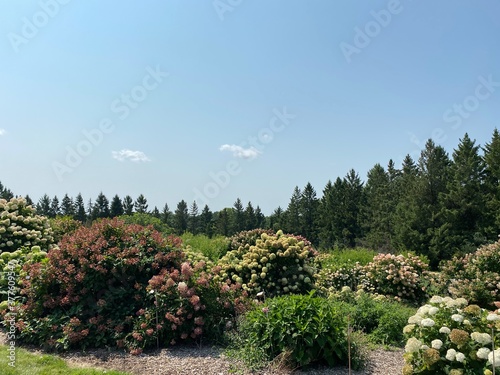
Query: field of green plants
(262, 294)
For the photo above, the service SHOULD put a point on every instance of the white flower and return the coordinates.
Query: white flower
(460, 357)
(493, 317)
(436, 344)
(444, 330)
(483, 353)
(481, 338)
(423, 310)
(424, 347)
(415, 319)
(457, 318)
(408, 328)
(467, 322)
(427, 322)
(461, 301)
(433, 310)
(497, 358)
(413, 345)
(436, 299)
(451, 354)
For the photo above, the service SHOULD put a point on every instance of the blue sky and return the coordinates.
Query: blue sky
(222, 99)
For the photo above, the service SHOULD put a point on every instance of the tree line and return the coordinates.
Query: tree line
(437, 206)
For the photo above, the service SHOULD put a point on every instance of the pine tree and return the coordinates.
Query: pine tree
(5, 193)
(353, 201)
(378, 210)
(29, 201)
(260, 219)
(206, 221)
(239, 217)
(249, 217)
(156, 213)
(80, 213)
(181, 217)
(193, 224)
(277, 219)
(141, 204)
(223, 222)
(292, 214)
(308, 217)
(67, 206)
(492, 171)
(54, 207)
(43, 206)
(101, 207)
(116, 207)
(128, 205)
(166, 215)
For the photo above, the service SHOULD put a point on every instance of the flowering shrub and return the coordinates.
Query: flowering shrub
(397, 275)
(63, 225)
(308, 329)
(475, 276)
(277, 264)
(116, 284)
(20, 226)
(331, 280)
(448, 336)
(247, 238)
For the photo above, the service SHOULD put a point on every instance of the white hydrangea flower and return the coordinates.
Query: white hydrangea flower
(460, 357)
(427, 322)
(424, 347)
(451, 354)
(423, 310)
(481, 338)
(436, 344)
(444, 330)
(408, 328)
(413, 345)
(433, 310)
(483, 353)
(415, 319)
(493, 317)
(457, 318)
(497, 358)
(436, 299)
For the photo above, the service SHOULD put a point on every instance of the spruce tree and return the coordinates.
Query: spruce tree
(239, 217)
(292, 214)
(54, 207)
(181, 217)
(249, 217)
(128, 205)
(43, 206)
(141, 204)
(67, 206)
(80, 213)
(308, 206)
(206, 221)
(193, 224)
(492, 175)
(116, 207)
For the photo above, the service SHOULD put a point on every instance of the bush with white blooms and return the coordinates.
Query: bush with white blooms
(449, 336)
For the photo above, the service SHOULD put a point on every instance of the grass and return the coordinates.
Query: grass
(336, 258)
(213, 248)
(27, 363)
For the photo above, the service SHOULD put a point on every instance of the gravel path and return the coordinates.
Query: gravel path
(189, 360)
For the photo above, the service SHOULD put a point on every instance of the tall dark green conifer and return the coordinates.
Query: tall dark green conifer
(116, 208)
(80, 213)
(67, 206)
(308, 218)
(141, 204)
(193, 224)
(128, 205)
(492, 161)
(181, 217)
(292, 214)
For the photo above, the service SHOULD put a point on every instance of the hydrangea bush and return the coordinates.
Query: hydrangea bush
(475, 276)
(449, 336)
(277, 264)
(21, 226)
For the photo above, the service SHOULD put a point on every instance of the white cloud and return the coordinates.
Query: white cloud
(2, 132)
(135, 156)
(240, 152)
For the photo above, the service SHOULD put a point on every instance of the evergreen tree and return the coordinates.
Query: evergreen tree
(332, 215)
(260, 219)
(116, 207)
(5, 193)
(156, 213)
(378, 210)
(141, 204)
(181, 217)
(43, 206)
(166, 215)
(128, 205)
(492, 171)
(67, 206)
(206, 223)
(80, 213)
(308, 218)
(277, 219)
(464, 202)
(54, 207)
(101, 207)
(353, 202)
(193, 224)
(223, 222)
(29, 201)
(292, 214)
(249, 217)
(239, 217)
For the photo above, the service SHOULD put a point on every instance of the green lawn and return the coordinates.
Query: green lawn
(27, 363)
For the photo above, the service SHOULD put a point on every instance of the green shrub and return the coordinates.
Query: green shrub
(475, 276)
(212, 248)
(247, 238)
(20, 226)
(145, 220)
(62, 226)
(303, 328)
(277, 264)
(448, 336)
(346, 258)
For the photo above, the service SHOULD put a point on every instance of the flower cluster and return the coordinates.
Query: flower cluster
(277, 264)
(449, 336)
(475, 276)
(20, 226)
